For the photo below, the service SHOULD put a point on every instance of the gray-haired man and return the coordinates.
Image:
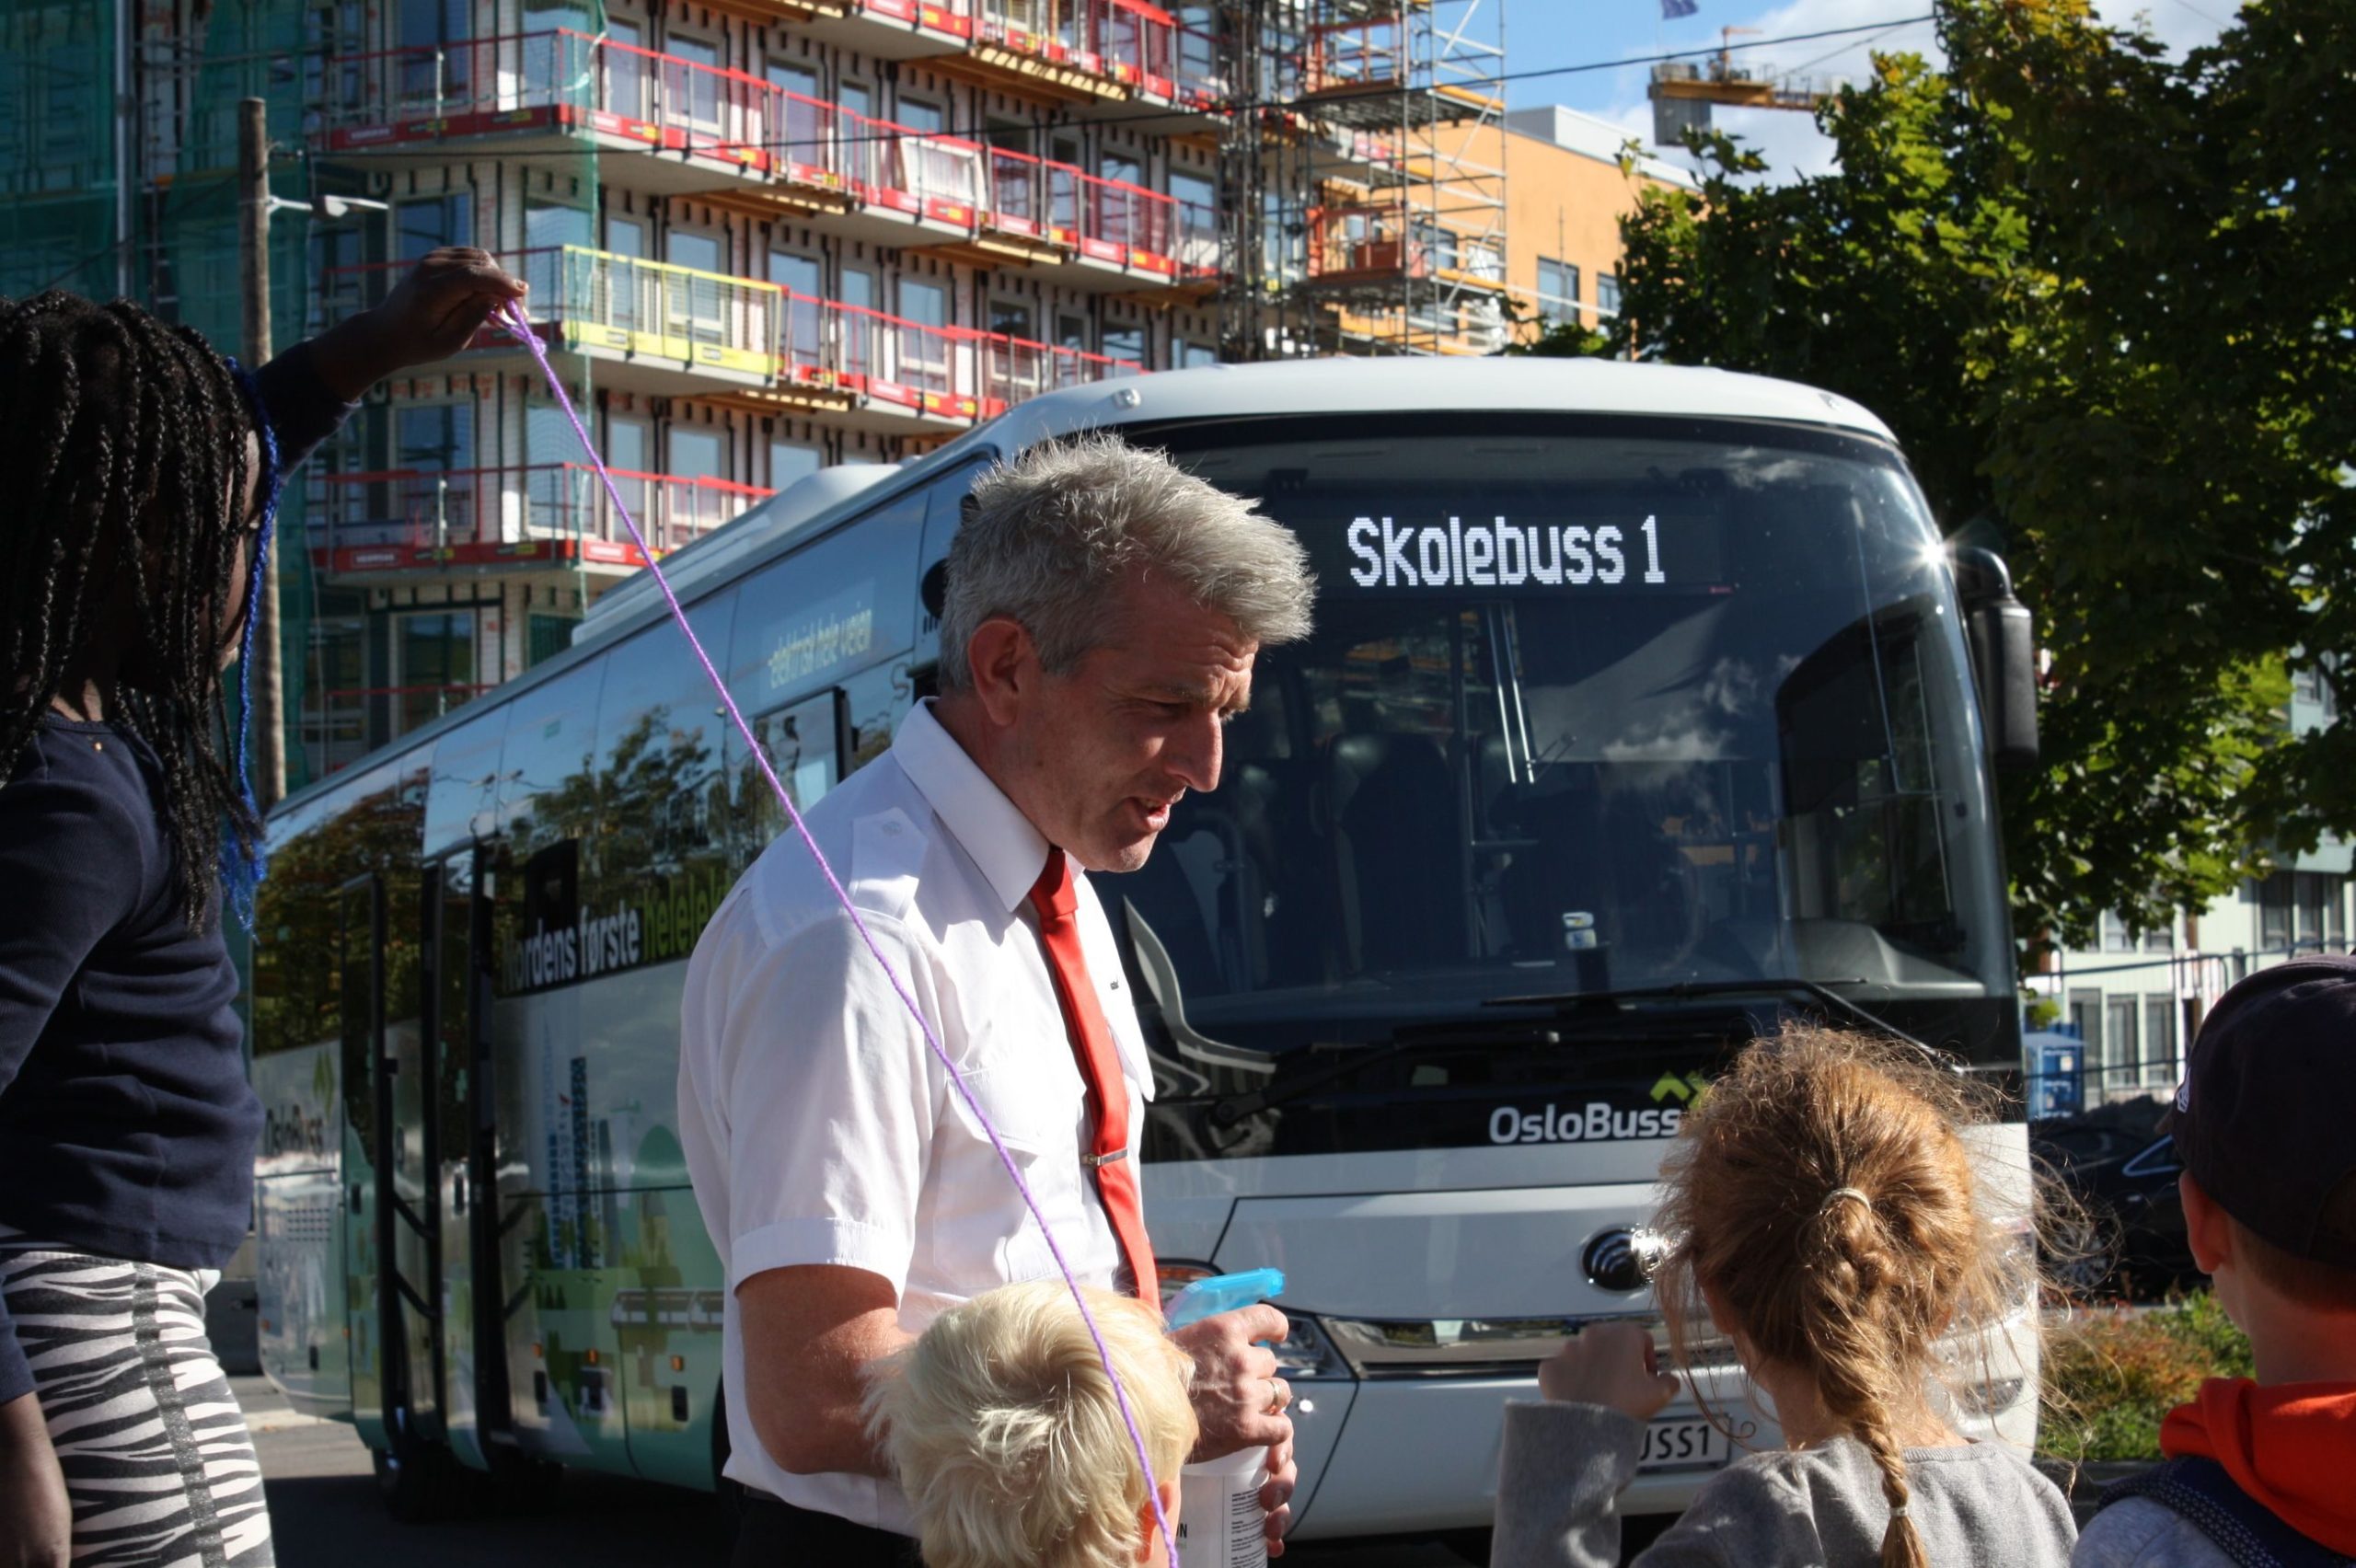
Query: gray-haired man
(1103, 612)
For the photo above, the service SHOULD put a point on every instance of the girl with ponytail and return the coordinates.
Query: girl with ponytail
(1821, 1210)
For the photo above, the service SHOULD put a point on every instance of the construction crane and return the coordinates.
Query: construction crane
(1682, 92)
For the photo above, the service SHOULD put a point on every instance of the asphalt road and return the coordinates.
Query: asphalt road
(324, 1513)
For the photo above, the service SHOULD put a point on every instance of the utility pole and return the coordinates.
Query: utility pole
(268, 718)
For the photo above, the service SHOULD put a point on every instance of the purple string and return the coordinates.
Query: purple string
(522, 326)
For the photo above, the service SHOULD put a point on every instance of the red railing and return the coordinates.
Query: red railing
(1138, 44)
(515, 82)
(690, 317)
(406, 517)
(561, 78)
(951, 372)
(1016, 368)
(821, 345)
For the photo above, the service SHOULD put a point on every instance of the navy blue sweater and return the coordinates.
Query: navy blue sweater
(127, 1126)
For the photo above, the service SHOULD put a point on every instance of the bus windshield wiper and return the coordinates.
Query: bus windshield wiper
(1819, 990)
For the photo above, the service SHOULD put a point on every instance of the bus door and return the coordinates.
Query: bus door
(361, 938)
(461, 1245)
(407, 1159)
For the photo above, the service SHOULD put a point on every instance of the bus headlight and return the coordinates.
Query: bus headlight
(1308, 1355)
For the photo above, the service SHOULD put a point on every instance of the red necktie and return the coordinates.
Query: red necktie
(1100, 1066)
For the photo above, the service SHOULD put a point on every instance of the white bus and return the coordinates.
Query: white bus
(1641, 712)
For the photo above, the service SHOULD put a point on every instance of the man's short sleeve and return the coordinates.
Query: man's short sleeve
(826, 1085)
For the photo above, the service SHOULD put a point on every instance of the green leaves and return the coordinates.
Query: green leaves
(2107, 303)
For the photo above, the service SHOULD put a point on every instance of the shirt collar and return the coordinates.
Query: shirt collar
(999, 839)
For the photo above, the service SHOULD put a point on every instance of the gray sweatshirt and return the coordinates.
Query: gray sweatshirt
(1565, 1464)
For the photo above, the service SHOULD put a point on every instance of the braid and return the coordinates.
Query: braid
(132, 435)
(1825, 1193)
(1861, 1340)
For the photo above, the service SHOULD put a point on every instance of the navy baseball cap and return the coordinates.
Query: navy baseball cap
(2266, 1117)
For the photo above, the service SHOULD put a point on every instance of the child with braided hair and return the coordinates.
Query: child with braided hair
(1822, 1210)
(145, 468)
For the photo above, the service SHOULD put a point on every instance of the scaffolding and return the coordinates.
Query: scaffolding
(1364, 178)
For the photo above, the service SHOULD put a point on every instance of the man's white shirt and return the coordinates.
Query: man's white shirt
(819, 1127)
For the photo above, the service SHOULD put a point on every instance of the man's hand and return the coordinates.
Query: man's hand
(435, 313)
(1239, 1402)
(1612, 1364)
(36, 1518)
(1276, 1498)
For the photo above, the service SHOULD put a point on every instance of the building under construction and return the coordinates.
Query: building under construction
(763, 237)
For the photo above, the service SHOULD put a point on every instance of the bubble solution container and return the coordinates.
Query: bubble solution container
(1219, 1522)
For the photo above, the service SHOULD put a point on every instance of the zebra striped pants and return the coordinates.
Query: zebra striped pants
(158, 1460)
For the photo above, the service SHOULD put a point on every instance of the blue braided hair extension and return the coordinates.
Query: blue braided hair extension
(243, 867)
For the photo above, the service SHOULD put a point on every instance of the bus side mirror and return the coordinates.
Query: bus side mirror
(2003, 655)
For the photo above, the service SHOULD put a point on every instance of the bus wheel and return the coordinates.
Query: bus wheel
(420, 1481)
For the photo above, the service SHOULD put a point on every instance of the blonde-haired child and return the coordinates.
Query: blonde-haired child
(1005, 1437)
(1821, 1209)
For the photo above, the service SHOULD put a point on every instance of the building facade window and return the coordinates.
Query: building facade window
(800, 80)
(2086, 1016)
(434, 666)
(2114, 936)
(2159, 1039)
(792, 461)
(2305, 911)
(1012, 318)
(545, 636)
(1607, 294)
(2118, 1054)
(1124, 343)
(1558, 293)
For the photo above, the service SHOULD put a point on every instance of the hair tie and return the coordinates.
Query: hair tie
(1899, 1512)
(1837, 1194)
(242, 869)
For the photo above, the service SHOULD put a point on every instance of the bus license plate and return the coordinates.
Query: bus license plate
(1688, 1443)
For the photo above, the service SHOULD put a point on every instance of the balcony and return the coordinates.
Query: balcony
(873, 179)
(1111, 50)
(654, 327)
(407, 524)
(867, 370)
(551, 98)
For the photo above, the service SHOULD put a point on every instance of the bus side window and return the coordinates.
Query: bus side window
(804, 744)
(944, 512)
(549, 790)
(815, 631)
(663, 819)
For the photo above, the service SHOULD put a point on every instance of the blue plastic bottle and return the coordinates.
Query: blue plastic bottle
(1219, 1522)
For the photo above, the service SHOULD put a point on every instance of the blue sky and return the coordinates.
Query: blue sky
(1540, 33)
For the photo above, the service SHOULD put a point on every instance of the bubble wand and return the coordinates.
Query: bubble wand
(517, 322)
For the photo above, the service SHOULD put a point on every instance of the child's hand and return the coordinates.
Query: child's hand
(434, 314)
(1609, 1365)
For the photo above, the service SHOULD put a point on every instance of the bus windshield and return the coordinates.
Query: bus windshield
(1591, 704)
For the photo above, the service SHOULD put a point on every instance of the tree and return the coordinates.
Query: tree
(2104, 299)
